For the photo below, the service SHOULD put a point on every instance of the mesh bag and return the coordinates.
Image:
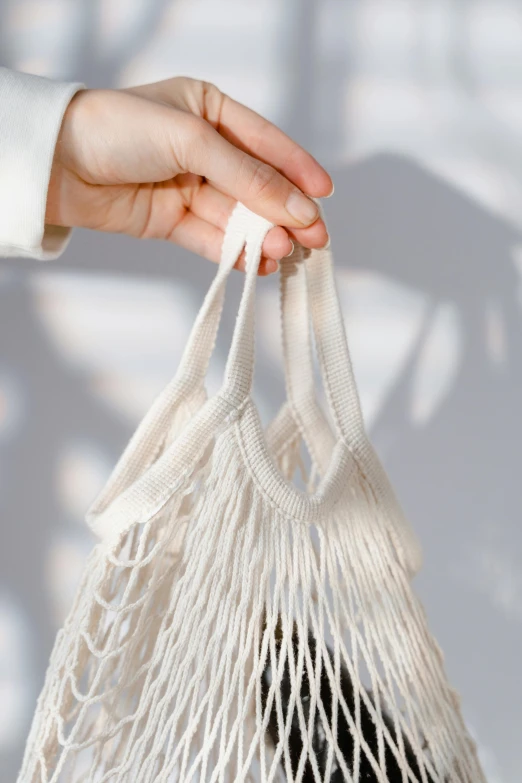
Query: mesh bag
(230, 626)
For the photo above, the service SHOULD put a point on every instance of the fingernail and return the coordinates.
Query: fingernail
(331, 192)
(301, 208)
(292, 250)
(328, 243)
(271, 266)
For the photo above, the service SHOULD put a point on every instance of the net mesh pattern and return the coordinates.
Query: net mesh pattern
(224, 641)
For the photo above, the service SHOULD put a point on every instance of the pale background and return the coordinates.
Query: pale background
(416, 108)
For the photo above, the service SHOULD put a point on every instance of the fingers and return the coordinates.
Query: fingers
(205, 239)
(200, 149)
(210, 204)
(214, 207)
(244, 128)
(265, 141)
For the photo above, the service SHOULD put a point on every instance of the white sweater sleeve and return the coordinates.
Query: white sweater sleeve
(31, 113)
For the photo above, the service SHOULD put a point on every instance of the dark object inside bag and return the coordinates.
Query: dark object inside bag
(345, 738)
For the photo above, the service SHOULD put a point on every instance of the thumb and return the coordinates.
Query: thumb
(200, 149)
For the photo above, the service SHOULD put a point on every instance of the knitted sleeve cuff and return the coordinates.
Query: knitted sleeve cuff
(31, 113)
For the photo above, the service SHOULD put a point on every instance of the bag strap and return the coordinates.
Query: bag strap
(144, 478)
(137, 489)
(298, 362)
(146, 442)
(239, 370)
(322, 302)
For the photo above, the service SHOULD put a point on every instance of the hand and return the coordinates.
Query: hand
(169, 161)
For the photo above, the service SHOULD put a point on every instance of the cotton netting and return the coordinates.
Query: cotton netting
(241, 630)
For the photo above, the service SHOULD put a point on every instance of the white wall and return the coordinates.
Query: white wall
(416, 107)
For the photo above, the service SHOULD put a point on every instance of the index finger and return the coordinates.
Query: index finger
(265, 141)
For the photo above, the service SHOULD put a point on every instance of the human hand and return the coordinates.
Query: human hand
(169, 161)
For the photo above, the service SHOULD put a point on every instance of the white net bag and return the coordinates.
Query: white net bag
(230, 626)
